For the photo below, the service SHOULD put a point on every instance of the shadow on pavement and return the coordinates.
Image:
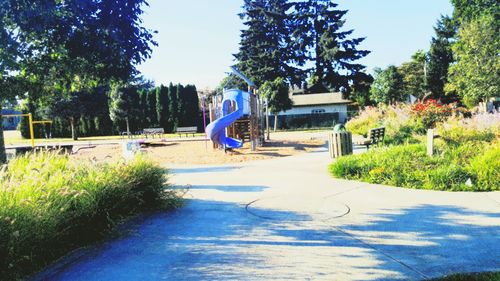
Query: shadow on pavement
(209, 240)
(203, 170)
(228, 188)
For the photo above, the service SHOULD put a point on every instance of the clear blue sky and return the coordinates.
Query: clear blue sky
(198, 37)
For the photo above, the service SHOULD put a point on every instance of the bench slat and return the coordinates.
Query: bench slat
(186, 129)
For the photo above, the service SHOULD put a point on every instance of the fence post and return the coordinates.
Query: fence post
(430, 142)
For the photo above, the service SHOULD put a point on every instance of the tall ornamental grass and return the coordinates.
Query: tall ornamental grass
(469, 167)
(467, 156)
(51, 204)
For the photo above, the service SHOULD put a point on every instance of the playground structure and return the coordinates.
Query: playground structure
(31, 123)
(236, 117)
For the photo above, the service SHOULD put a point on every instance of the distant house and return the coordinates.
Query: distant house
(10, 123)
(321, 103)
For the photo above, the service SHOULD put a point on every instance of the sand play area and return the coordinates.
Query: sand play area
(196, 151)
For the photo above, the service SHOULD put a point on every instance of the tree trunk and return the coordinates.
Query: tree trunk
(3, 154)
(73, 129)
(128, 126)
(275, 121)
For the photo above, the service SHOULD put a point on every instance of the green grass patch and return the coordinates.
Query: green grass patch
(468, 167)
(50, 205)
(486, 276)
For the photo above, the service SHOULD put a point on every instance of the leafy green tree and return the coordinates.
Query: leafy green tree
(441, 57)
(231, 82)
(387, 87)
(276, 94)
(124, 104)
(71, 108)
(71, 46)
(476, 74)
(414, 75)
(319, 38)
(467, 10)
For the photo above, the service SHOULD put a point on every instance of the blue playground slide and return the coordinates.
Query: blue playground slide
(216, 130)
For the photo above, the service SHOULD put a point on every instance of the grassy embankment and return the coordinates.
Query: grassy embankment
(50, 205)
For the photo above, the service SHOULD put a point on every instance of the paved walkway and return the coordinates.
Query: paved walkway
(286, 219)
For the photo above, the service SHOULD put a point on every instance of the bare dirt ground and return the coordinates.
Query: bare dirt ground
(201, 152)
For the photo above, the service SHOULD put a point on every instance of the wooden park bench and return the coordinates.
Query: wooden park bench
(153, 132)
(186, 130)
(375, 137)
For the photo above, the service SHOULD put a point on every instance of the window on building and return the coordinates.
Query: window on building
(318, 111)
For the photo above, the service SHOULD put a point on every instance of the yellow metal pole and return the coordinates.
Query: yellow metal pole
(32, 133)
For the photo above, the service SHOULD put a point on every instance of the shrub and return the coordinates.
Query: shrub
(50, 205)
(431, 112)
(467, 167)
(486, 167)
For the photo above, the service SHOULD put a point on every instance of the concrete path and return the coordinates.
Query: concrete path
(287, 219)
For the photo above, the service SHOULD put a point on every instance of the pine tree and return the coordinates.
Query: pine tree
(440, 57)
(319, 38)
(264, 47)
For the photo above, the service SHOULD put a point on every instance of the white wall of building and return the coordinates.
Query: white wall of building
(332, 108)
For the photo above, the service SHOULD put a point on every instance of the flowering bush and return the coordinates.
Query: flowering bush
(431, 112)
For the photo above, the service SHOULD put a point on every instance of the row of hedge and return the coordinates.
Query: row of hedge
(50, 205)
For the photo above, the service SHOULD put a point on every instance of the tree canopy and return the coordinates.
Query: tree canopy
(441, 56)
(263, 54)
(476, 74)
(320, 38)
(388, 86)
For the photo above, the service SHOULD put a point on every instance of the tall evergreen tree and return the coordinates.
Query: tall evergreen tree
(319, 36)
(151, 105)
(173, 107)
(192, 106)
(162, 106)
(440, 57)
(181, 105)
(264, 47)
(143, 104)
